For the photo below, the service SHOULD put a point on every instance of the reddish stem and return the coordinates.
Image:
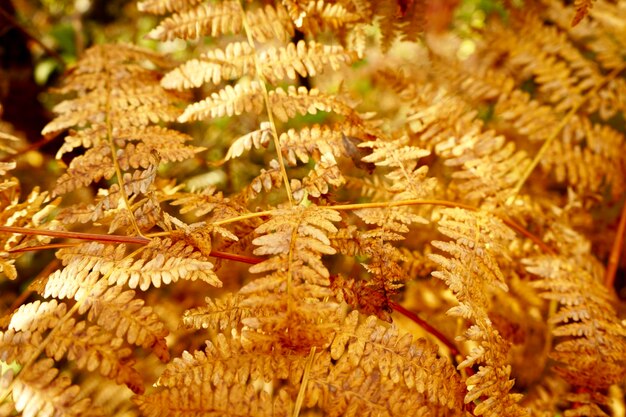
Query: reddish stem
(424, 325)
(76, 235)
(31, 147)
(616, 250)
(235, 257)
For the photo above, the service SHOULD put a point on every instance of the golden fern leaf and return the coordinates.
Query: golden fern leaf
(295, 281)
(591, 158)
(198, 20)
(218, 19)
(42, 392)
(490, 166)
(124, 315)
(227, 368)
(299, 145)
(228, 101)
(30, 213)
(37, 316)
(472, 273)
(161, 262)
(238, 59)
(287, 104)
(221, 400)
(247, 98)
(591, 350)
(118, 97)
(304, 59)
(220, 314)
(257, 139)
(326, 173)
(165, 6)
(269, 23)
(89, 347)
(234, 61)
(207, 202)
(377, 371)
(363, 358)
(266, 180)
(214, 381)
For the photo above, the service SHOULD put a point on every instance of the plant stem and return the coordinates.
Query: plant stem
(76, 235)
(616, 250)
(424, 325)
(268, 107)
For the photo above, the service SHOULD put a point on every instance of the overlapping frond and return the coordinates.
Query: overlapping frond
(117, 100)
(295, 280)
(591, 344)
(43, 392)
(470, 269)
(347, 375)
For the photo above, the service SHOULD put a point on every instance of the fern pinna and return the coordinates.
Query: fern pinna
(408, 248)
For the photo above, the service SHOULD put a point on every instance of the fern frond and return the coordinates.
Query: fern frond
(256, 139)
(269, 23)
(238, 59)
(42, 392)
(472, 272)
(89, 347)
(370, 357)
(165, 6)
(287, 104)
(118, 97)
(163, 262)
(341, 378)
(203, 19)
(124, 315)
(326, 173)
(227, 102)
(591, 349)
(220, 314)
(295, 278)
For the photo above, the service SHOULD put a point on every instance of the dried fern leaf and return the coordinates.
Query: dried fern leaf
(295, 279)
(232, 62)
(399, 361)
(203, 19)
(227, 102)
(164, 262)
(127, 317)
(37, 316)
(257, 139)
(591, 348)
(326, 173)
(218, 315)
(89, 347)
(165, 6)
(208, 204)
(42, 392)
(287, 104)
(270, 23)
(471, 271)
